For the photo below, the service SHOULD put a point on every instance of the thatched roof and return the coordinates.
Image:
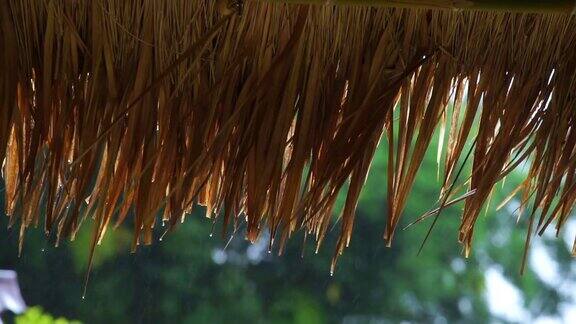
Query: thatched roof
(114, 109)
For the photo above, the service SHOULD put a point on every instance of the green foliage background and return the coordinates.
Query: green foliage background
(178, 279)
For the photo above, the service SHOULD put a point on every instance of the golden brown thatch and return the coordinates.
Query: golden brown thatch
(113, 108)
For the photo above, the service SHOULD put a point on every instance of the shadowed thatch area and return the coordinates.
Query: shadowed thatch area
(120, 111)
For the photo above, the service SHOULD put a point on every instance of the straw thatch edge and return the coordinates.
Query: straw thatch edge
(117, 109)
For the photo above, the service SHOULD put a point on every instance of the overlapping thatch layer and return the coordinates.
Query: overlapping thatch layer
(114, 109)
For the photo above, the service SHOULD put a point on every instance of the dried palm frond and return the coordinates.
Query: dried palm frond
(113, 109)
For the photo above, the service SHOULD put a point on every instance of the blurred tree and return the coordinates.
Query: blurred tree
(189, 277)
